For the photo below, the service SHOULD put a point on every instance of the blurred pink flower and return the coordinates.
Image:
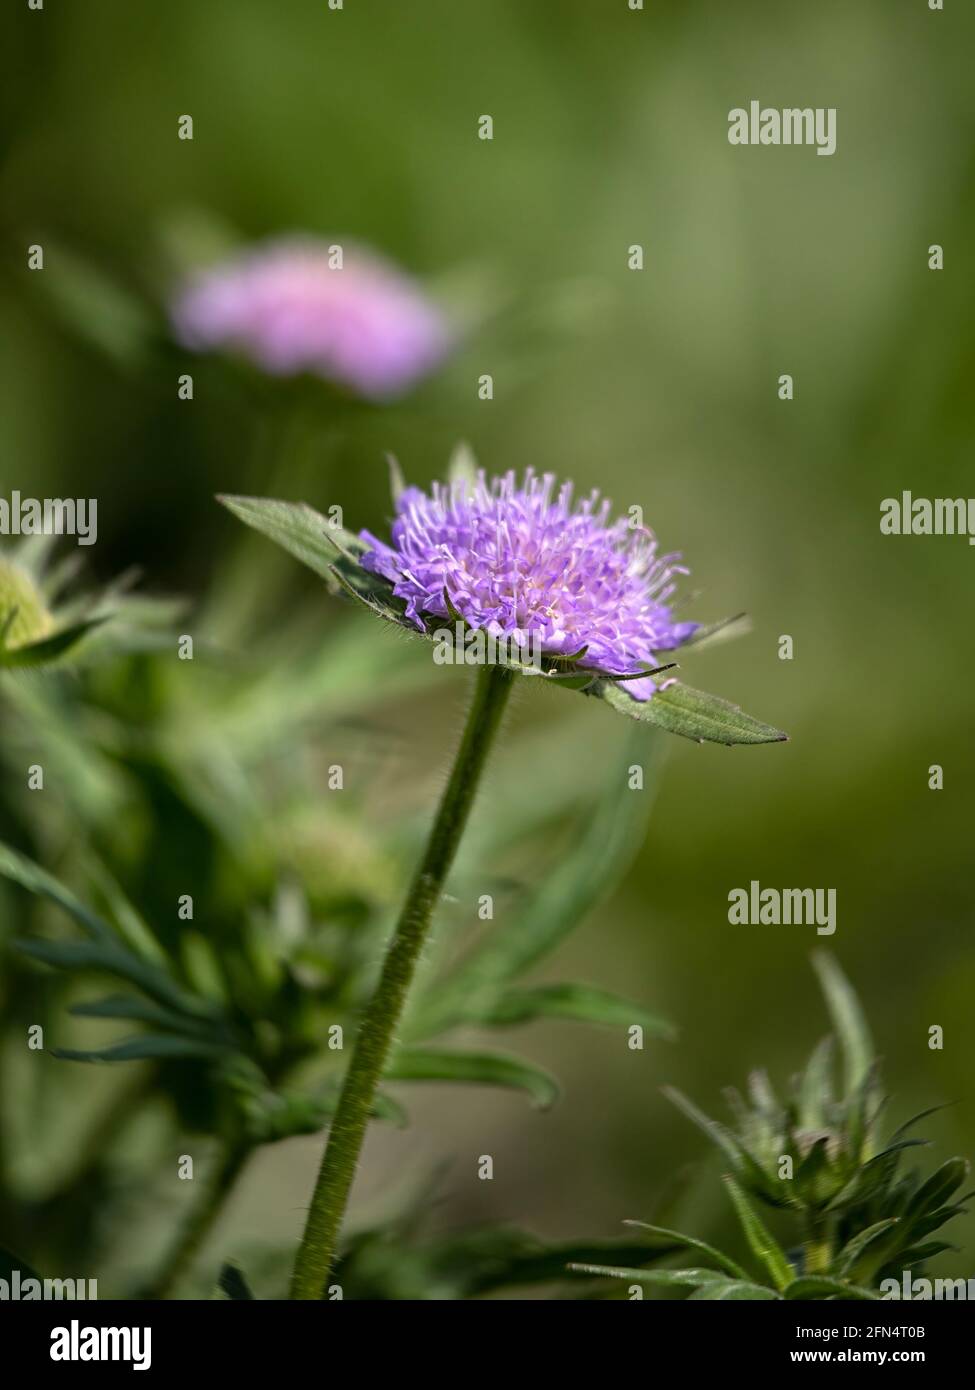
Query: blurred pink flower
(365, 326)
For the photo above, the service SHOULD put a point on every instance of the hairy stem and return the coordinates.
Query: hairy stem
(316, 1253)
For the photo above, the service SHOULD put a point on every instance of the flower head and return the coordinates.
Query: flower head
(291, 308)
(527, 563)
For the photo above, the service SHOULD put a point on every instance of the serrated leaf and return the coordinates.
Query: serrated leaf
(693, 714)
(724, 1262)
(760, 1240)
(488, 1069)
(580, 1002)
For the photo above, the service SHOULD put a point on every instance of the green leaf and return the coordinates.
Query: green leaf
(49, 649)
(938, 1188)
(132, 1007)
(731, 1146)
(487, 1069)
(604, 845)
(462, 467)
(813, 1287)
(31, 876)
(761, 1241)
(331, 551)
(147, 1045)
(397, 483)
(233, 1284)
(734, 1291)
(916, 1119)
(114, 960)
(850, 1255)
(580, 1002)
(691, 713)
(815, 1089)
(724, 1262)
(726, 629)
(667, 1278)
(296, 527)
(10, 1263)
(848, 1020)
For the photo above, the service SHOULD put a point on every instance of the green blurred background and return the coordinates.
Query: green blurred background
(659, 387)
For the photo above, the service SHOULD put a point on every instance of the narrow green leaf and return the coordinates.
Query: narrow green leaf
(51, 648)
(813, 1287)
(735, 1291)
(761, 1241)
(31, 876)
(855, 1248)
(484, 1068)
(725, 1262)
(397, 483)
(603, 847)
(726, 629)
(691, 713)
(667, 1278)
(233, 1284)
(731, 1146)
(848, 1020)
(815, 1088)
(147, 1045)
(462, 467)
(136, 1009)
(580, 1002)
(938, 1188)
(114, 960)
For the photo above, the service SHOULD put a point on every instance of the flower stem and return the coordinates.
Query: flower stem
(318, 1245)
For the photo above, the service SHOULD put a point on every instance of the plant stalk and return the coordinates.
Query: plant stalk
(317, 1251)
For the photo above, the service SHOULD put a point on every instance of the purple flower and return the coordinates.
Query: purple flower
(514, 562)
(365, 326)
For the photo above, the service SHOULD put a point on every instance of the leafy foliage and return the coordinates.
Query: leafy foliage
(817, 1155)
